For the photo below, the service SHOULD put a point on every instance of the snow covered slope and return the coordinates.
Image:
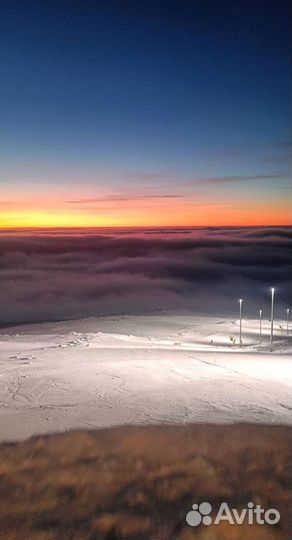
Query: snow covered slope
(160, 368)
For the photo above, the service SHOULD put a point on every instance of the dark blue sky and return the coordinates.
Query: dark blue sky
(180, 98)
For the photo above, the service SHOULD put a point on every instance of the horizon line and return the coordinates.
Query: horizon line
(88, 227)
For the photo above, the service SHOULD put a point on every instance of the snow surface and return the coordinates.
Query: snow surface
(159, 368)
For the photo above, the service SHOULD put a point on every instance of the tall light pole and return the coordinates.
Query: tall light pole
(272, 318)
(261, 311)
(240, 310)
(288, 311)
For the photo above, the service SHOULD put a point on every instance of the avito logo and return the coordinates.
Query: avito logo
(254, 513)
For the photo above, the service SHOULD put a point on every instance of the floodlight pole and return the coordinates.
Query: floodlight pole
(272, 318)
(240, 321)
(261, 311)
(288, 311)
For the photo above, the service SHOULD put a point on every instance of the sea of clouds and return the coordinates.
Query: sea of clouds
(54, 275)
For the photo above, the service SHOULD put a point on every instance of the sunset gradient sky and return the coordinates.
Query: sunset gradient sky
(144, 113)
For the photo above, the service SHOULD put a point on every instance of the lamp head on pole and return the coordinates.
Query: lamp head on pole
(272, 290)
(288, 311)
(240, 300)
(261, 311)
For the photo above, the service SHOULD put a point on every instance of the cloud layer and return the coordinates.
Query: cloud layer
(68, 274)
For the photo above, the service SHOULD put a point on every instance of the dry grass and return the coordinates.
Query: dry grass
(139, 483)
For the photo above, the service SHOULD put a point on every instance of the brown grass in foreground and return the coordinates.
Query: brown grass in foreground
(139, 482)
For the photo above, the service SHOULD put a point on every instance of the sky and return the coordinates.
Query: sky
(144, 113)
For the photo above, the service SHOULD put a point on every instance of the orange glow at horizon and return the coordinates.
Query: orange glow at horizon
(142, 213)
